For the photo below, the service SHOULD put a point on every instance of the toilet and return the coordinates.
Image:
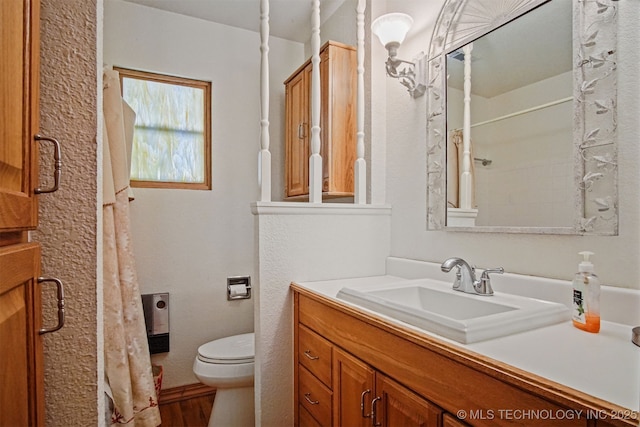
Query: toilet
(227, 365)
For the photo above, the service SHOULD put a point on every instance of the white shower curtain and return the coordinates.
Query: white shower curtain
(127, 360)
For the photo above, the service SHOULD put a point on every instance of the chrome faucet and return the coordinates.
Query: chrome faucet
(466, 281)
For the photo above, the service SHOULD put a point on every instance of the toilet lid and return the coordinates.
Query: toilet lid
(233, 349)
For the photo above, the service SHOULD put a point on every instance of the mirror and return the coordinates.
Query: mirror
(521, 122)
(531, 147)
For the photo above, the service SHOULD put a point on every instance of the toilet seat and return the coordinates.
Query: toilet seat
(237, 349)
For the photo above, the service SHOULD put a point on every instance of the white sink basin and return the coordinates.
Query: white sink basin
(434, 306)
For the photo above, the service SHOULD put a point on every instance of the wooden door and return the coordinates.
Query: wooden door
(353, 390)
(326, 118)
(18, 113)
(297, 135)
(338, 118)
(400, 407)
(21, 376)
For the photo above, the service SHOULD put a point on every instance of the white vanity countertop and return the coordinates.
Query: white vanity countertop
(605, 365)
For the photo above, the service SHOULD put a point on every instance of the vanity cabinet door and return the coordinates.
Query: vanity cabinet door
(400, 407)
(353, 390)
(357, 388)
(449, 420)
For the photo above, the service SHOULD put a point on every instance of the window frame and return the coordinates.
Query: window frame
(179, 81)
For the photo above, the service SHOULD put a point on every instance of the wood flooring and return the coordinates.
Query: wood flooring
(188, 412)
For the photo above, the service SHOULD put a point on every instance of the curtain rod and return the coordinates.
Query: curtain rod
(528, 110)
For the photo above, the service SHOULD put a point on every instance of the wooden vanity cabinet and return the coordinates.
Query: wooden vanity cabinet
(338, 81)
(335, 388)
(420, 380)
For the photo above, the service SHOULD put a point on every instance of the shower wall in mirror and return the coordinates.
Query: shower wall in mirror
(530, 125)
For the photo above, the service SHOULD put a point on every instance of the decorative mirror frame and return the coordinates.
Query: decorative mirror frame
(594, 106)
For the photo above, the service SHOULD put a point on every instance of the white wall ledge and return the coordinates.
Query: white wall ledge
(304, 208)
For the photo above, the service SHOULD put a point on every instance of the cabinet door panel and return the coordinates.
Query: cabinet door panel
(18, 113)
(400, 407)
(338, 118)
(353, 383)
(21, 387)
(297, 136)
(449, 420)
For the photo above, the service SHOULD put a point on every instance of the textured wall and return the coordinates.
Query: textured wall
(538, 255)
(293, 245)
(68, 219)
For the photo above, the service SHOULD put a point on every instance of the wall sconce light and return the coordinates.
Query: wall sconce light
(391, 30)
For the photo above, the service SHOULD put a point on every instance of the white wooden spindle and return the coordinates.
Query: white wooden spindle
(360, 166)
(466, 179)
(315, 161)
(264, 160)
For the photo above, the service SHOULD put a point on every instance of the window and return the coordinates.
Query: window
(172, 133)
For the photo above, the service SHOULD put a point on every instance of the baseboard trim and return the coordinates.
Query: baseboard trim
(184, 392)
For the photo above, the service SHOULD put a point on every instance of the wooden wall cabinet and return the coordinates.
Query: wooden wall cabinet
(18, 115)
(338, 88)
(21, 366)
(348, 362)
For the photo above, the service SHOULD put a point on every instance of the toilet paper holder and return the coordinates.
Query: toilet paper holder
(238, 287)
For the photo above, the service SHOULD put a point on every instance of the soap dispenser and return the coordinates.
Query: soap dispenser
(586, 296)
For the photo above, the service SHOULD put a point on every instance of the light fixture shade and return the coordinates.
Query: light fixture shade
(392, 27)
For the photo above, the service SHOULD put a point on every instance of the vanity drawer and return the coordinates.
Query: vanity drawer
(306, 420)
(314, 353)
(314, 396)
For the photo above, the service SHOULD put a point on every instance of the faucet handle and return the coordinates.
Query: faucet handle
(485, 273)
(485, 281)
